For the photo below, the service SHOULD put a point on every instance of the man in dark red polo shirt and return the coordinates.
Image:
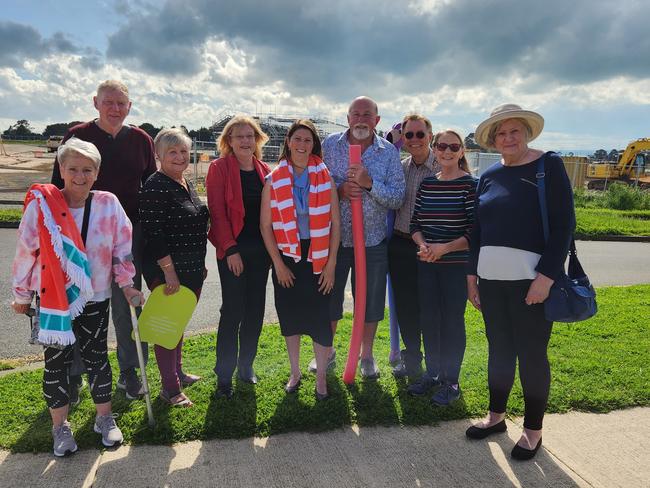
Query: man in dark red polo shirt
(128, 159)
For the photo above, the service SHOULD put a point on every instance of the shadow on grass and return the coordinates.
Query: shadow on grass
(372, 403)
(35, 437)
(301, 411)
(230, 418)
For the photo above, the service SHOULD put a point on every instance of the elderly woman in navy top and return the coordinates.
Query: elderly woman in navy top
(512, 268)
(442, 219)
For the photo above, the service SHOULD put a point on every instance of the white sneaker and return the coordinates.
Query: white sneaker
(64, 443)
(106, 426)
(369, 369)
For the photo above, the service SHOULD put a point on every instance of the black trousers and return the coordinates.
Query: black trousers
(403, 269)
(243, 299)
(91, 331)
(516, 331)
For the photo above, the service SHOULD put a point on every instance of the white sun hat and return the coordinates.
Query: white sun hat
(508, 111)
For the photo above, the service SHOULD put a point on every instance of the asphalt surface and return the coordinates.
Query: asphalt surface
(607, 263)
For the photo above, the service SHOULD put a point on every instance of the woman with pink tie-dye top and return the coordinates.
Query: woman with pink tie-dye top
(105, 255)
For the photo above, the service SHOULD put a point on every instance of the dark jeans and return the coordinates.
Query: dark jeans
(516, 331)
(243, 299)
(403, 268)
(443, 297)
(127, 354)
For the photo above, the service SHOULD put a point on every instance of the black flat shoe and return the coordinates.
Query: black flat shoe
(478, 433)
(523, 454)
(224, 390)
(321, 396)
(293, 388)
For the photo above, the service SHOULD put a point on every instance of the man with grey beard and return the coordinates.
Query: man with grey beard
(379, 182)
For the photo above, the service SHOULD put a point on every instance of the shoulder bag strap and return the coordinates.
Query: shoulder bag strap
(575, 268)
(541, 194)
(84, 225)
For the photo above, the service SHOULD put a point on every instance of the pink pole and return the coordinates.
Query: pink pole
(359, 242)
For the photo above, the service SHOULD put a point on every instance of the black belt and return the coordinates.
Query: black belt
(403, 235)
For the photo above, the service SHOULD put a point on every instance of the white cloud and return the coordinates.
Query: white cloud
(453, 61)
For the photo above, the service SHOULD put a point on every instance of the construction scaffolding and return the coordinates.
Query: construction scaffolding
(276, 127)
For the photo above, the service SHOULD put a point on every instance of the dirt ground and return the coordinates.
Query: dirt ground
(24, 164)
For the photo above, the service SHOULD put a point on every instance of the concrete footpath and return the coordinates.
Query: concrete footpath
(579, 449)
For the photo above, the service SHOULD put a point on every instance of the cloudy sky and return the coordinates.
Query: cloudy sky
(585, 64)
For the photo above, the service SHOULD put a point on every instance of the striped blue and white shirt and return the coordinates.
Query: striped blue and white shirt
(444, 211)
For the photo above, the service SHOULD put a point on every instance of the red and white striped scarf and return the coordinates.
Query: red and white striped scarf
(283, 211)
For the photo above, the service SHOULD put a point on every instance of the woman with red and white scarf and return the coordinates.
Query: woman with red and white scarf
(300, 224)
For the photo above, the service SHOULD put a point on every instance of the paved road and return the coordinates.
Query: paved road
(608, 263)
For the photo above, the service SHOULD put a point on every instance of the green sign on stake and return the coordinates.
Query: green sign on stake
(164, 317)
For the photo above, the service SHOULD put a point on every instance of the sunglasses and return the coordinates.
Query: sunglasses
(419, 134)
(442, 146)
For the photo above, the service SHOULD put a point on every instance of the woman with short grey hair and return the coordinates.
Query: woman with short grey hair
(175, 227)
(81, 148)
(72, 245)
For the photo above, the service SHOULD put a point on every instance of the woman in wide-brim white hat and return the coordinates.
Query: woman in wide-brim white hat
(514, 267)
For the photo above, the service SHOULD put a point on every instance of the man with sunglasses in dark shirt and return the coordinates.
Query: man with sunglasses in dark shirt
(402, 259)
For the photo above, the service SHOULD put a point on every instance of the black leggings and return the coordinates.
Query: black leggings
(91, 331)
(516, 331)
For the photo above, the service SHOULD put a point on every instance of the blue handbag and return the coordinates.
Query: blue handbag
(572, 297)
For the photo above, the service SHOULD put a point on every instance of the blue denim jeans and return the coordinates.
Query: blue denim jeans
(443, 297)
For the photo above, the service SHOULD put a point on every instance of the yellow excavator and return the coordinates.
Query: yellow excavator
(630, 168)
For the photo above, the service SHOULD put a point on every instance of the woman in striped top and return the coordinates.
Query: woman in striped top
(440, 227)
(300, 224)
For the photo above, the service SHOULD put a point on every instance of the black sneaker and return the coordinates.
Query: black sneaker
(131, 384)
(422, 386)
(446, 395)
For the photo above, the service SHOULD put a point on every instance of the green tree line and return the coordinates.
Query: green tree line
(23, 129)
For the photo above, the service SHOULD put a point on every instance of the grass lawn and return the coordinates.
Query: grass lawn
(598, 365)
(10, 215)
(592, 222)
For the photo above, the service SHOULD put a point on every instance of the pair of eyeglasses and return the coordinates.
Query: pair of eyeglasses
(419, 134)
(442, 146)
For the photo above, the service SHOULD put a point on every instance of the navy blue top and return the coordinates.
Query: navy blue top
(507, 213)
